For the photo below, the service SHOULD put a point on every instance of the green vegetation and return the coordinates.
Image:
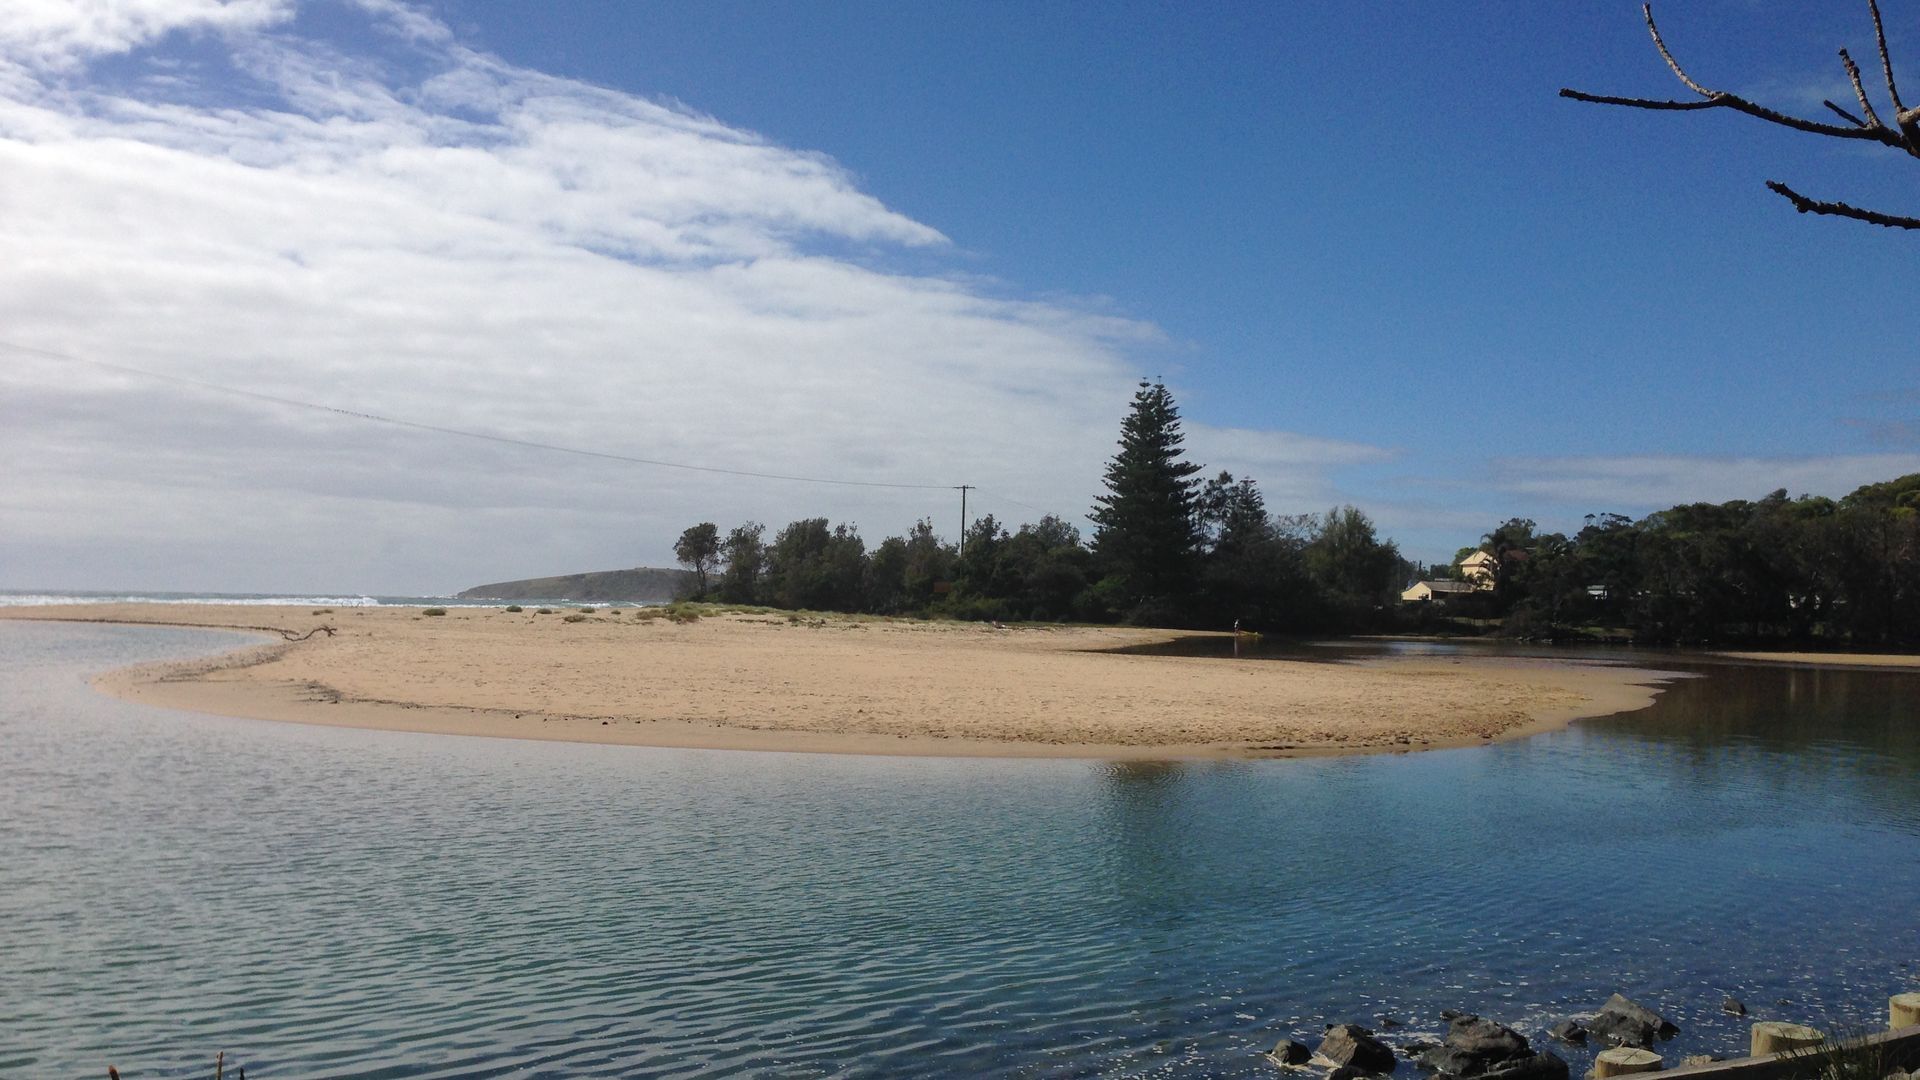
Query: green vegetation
(1806, 569)
(575, 617)
(435, 611)
(515, 607)
(543, 611)
(1168, 550)
(682, 611)
(698, 549)
(1172, 550)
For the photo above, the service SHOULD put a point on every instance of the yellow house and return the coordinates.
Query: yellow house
(1436, 590)
(1478, 569)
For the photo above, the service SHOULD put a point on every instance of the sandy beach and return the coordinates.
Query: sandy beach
(843, 685)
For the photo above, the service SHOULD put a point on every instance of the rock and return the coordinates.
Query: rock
(1569, 1031)
(1348, 1072)
(1292, 1052)
(1450, 1014)
(1663, 1027)
(1623, 1030)
(1388, 1023)
(1485, 1041)
(1734, 1006)
(1541, 1066)
(1476, 1047)
(1351, 1044)
(1445, 1059)
(1628, 1023)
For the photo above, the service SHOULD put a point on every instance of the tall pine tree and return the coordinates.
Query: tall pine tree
(1147, 535)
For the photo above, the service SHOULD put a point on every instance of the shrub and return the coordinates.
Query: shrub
(544, 611)
(575, 617)
(587, 610)
(515, 607)
(435, 611)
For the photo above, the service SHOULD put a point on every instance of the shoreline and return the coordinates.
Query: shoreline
(843, 685)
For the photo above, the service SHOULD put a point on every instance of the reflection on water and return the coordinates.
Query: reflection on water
(335, 903)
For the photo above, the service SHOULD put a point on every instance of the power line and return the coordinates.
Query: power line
(460, 432)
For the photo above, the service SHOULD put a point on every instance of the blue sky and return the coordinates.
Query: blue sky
(1374, 254)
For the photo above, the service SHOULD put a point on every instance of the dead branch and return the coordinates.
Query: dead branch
(1839, 209)
(289, 635)
(1903, 134)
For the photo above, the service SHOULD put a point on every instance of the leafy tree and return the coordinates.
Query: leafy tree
(698, 549)
(1351, 566)
(1146, 537)
(811, 566)
(746, 557)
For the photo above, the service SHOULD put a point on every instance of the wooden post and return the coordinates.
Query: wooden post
(1778, 1037)
(1903, 1010)
(1623, 1061)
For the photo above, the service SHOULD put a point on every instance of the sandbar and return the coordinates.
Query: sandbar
(769, 681)
(1829, 659)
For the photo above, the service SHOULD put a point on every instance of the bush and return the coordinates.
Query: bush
(575, 617)
(544, 611)
(435, 611)
(587, 610)
(515, 607)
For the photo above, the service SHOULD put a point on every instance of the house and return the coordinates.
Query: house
(1478, 570)
(1436, 590)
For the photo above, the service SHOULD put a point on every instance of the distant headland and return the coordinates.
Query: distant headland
(640, 585)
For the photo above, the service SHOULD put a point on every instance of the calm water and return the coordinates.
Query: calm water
(334, 903)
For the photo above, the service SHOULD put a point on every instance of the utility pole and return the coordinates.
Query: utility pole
(963, 489)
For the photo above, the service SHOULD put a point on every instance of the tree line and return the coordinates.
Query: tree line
(1168, 549)
(1800, 569)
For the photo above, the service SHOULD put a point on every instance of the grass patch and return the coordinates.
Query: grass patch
(1841, 1057)
(575, 617)
(680, 611)
(435, 611)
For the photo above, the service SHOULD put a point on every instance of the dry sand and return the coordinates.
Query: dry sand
(843, 685)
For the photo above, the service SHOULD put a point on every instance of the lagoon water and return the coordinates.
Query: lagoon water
(335, 903)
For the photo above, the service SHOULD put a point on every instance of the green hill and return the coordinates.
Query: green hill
(640, 585)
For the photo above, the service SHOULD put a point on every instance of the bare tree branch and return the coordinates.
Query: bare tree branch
(1638, 103)
(1646, 11)
(1839, 209)
(1904, 135)
(1886, 62)
(1844, 114)
(1860, 92)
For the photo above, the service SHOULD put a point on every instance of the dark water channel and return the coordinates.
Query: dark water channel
(335, 903)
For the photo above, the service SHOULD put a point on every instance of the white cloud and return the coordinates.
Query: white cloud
(480, 246)
(1636, 484)
(59, 35)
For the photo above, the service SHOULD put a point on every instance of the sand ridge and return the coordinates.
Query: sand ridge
(842, 684)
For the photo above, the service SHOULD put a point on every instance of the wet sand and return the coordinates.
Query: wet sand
(1829, 659)
(842, 685)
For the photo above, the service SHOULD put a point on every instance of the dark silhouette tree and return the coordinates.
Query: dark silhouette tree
(698, 549)
(1146, 534)
(1903, 134)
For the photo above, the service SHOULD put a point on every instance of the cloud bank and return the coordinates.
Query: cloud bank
(202, 190)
